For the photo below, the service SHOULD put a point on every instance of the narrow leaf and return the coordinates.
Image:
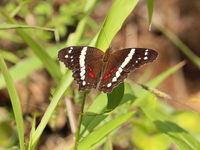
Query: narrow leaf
(150, 11)
(15, 102)
(102, 131)
(63, 85)
(182, 47)
(49, 63)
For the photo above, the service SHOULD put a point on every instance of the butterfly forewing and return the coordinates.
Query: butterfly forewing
(120, 63)
(85, 63)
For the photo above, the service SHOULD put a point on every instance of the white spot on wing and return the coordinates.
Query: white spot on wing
(114, 79)
(84, 83)
(136, 61)
(126, 61)
(70, 50)
(82, 63)
(139, 58)
(128, 58)
(83, 77)
(66, 56)
(117, 74)
(146, 53)
(120, 69)
(109, 84)
(83, 68)
(82, 73)
(71, 57)
(145, 58)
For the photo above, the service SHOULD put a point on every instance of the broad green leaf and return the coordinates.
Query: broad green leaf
(192, 123)
(15, 102)
(115, 97)
(150, 11)
(149, 142)
(183, 139)
(102, 131)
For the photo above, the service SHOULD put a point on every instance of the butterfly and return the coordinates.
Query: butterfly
(93, 68)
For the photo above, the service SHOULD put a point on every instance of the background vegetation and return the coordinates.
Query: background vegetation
(40, 104)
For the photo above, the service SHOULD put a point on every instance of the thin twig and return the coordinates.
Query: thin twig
(80, 121)
(71, 115)
(163, 95)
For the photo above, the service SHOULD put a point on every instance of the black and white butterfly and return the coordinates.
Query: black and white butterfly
(94, 69)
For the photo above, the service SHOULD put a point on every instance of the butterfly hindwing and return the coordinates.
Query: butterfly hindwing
(120, 63)
(85, 63)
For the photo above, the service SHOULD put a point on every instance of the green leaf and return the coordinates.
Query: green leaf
(15, 102)
(102, 131)
(115, 97)
(149, 142)
(118, 13)
(183, 139)
(150, 11)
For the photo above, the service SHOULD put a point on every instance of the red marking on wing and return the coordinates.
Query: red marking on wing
(107, 76)
(112, 69)
(91, 75)
(90, 68)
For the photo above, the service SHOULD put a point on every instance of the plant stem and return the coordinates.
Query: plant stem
(80, 121)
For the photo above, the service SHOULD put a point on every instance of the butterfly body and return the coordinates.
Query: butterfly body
(94, 69)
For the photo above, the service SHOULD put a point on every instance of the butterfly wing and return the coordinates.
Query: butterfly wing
(120, 63)
(85, 63)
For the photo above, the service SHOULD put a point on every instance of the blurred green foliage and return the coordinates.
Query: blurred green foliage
(150, 128)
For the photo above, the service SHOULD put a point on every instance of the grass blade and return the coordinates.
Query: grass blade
(48, 62)
(23, 69)
(150, 11)
(10, 56)
(182, 47)
(63, 85)
(15, 102)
